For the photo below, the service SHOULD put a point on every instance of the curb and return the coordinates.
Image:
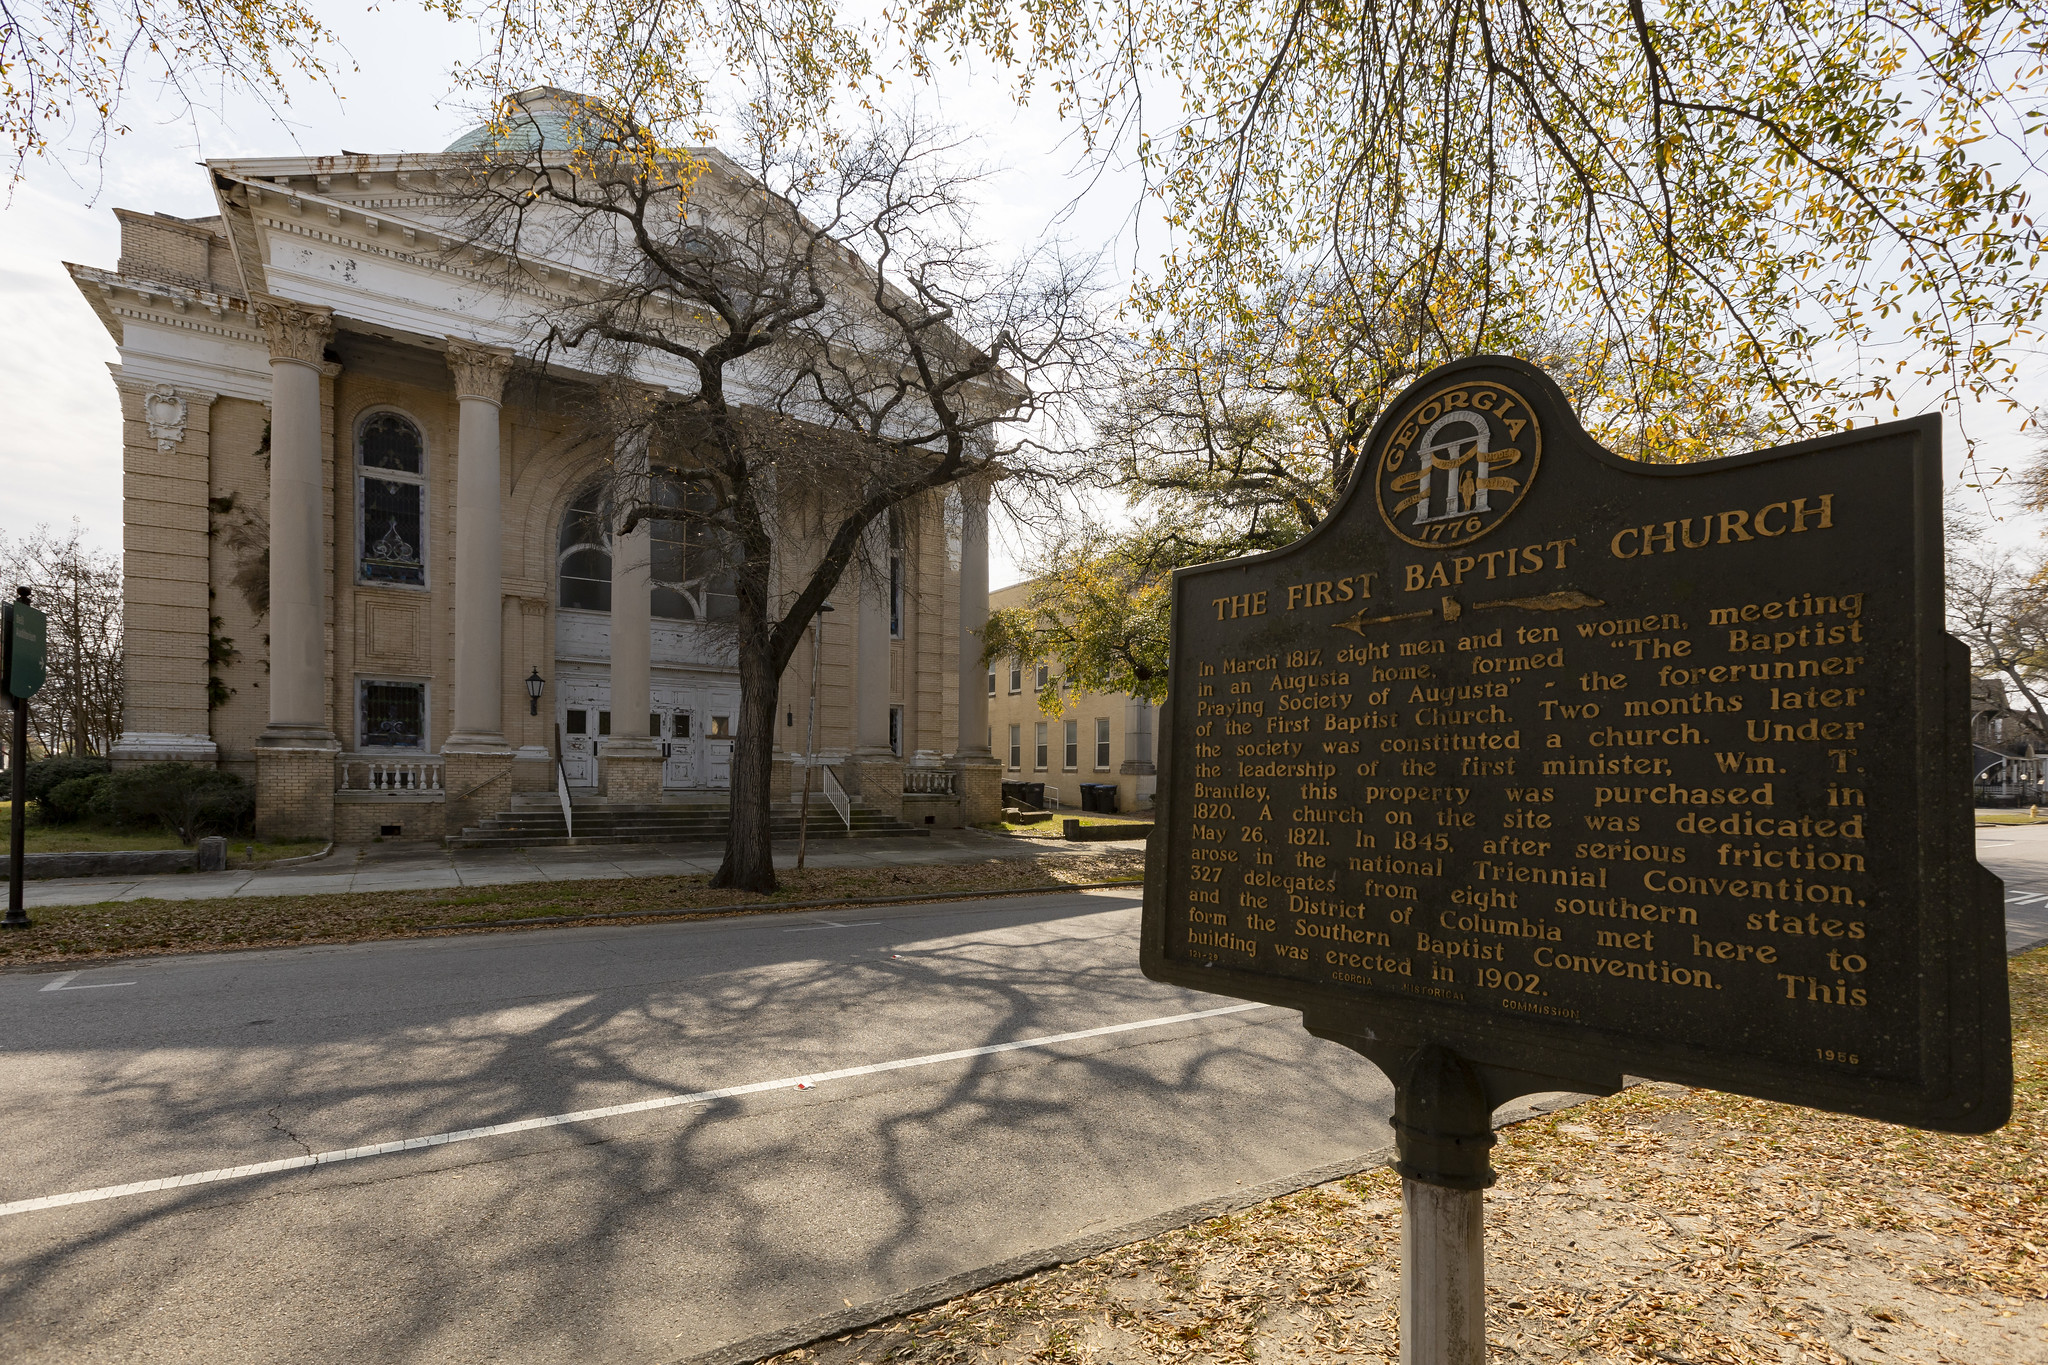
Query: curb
(302, 858)
(757, 1348)
(769, 907)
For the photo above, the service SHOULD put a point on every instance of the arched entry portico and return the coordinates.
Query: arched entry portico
(693, 679)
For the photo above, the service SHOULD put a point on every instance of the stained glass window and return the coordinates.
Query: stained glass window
(391, 500)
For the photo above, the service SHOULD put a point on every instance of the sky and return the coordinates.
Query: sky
(60, 453)
(60, 439)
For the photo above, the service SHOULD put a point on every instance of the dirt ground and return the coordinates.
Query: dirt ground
(1664, 1224)
(72, 933)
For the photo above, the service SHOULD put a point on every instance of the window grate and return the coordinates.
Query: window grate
(391, 715)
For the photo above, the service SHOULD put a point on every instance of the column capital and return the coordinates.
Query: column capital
(295, 331)
(479, 370)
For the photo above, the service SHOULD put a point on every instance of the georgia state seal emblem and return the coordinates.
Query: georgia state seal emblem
(1457, 464)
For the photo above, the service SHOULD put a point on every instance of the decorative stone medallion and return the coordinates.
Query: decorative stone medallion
(165, 412)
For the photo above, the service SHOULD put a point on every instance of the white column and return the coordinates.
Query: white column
(973, 738)
(871, 671)
(479, 529)
(632, 624)
(298, 334)
(631, 633)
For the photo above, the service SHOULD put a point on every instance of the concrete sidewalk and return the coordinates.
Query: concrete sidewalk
(412, 867)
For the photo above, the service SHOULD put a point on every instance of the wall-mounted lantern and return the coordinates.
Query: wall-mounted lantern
(535, 683)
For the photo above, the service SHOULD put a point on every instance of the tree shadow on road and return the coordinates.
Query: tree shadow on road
(666, 1233)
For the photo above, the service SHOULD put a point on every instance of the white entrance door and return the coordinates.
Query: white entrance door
(584, 717)
(581, 728)
(718, 750)
(680, 740)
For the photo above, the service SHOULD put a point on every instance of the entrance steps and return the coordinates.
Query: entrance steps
(533, 822)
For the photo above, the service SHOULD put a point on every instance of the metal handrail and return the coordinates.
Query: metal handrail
(836, 794)
(562, 786)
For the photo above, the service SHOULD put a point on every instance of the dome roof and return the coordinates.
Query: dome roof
(540, 119)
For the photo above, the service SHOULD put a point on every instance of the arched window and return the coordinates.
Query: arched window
(391, 500)
(692, 574)
(583, 555)
(690, 577)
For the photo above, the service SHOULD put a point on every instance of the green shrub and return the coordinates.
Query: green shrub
(49, 772)
(81, 798)
(184, 798)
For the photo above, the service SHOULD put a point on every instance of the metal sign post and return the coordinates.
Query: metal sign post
(803, 819)
(23, 629)
(1533, 767)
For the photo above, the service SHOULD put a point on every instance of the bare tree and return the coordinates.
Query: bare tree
(853, 346)
(1998, 606)
(78, 588)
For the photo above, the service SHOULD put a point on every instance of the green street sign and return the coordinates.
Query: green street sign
(24, 630)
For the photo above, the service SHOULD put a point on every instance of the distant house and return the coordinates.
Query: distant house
(1995, 723)
(2003, 764)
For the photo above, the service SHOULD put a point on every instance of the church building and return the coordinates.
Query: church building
(369, 564)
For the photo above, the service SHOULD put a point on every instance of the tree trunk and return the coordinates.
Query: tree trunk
(749, 851)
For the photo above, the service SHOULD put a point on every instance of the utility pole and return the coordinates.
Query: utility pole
(803, 820)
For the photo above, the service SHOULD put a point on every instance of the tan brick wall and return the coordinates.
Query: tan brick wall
(880, 784)
(164, 569)
(477, 785)
(294, 793)
(162, 249)
(629, 778)
(365, 821)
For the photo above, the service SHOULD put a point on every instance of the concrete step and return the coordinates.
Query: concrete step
(540, 826)
(469, 840)
(583, 821)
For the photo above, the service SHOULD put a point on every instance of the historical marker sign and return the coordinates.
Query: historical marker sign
(1579, 767)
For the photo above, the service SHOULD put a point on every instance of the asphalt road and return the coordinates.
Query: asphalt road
(2019, 855)
(644, 1236)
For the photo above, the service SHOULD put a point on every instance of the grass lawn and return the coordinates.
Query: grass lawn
(83, 838)
(1661, 1224)
(70, 933)
(2006, 817)
(90, 838)
(1055, 828)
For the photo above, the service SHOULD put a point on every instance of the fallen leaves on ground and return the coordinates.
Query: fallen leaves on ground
(69, 933)
(1664, 1225)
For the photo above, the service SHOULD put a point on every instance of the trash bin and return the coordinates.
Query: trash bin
(1028, 794)
(1099, 797)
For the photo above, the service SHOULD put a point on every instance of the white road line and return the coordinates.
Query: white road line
(295, 1163)
(63, 983)
(2009, 900)
(830, 924)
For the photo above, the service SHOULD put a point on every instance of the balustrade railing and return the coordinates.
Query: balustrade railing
(928, 782)
(412, 776)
